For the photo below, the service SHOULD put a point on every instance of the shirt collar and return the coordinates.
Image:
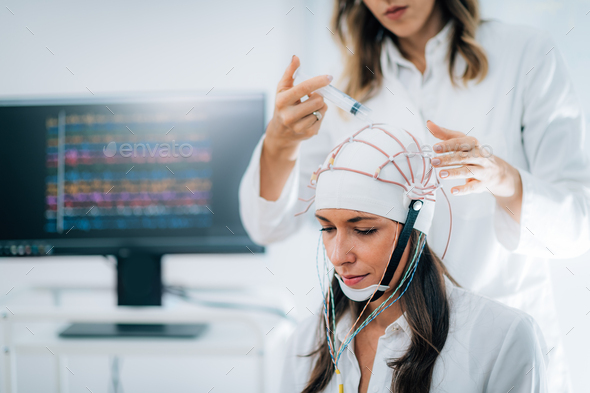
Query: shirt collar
(390, 53)
(346, 321)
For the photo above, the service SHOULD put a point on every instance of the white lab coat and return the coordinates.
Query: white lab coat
(490, 348)
(527, 111)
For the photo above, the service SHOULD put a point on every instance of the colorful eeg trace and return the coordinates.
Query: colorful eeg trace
(414, 189)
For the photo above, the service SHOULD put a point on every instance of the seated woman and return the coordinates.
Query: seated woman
(393, 320)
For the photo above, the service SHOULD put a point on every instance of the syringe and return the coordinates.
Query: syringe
(339, 98)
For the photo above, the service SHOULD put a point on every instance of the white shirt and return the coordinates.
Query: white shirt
(490, 348)
(527, 111)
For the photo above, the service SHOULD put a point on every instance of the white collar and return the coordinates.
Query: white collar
(346, 321)
(391, 56)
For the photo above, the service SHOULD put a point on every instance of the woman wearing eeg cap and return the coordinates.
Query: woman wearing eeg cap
(393, 320)
(495, 84)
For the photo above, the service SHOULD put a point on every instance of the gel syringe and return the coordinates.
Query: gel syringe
(339, 98)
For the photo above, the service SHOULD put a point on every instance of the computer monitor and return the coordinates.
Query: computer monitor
(131, 176)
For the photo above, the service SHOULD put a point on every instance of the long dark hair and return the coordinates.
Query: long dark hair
(357, 28)
(427, 312)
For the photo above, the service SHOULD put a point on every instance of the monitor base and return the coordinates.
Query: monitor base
(110, 330)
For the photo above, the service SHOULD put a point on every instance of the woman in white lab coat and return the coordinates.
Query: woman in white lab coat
(510, 96)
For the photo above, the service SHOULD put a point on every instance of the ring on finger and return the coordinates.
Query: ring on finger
(318, 115)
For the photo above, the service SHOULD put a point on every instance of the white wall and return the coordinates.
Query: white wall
(180, 45)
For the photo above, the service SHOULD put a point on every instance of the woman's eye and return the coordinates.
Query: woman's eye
(367, 232)
(359, 231)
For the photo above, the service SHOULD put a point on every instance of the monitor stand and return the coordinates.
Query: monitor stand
(139, 283)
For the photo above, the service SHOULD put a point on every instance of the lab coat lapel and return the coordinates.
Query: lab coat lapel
(393, 104)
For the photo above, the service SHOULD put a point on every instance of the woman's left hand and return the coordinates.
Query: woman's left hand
(483, 171)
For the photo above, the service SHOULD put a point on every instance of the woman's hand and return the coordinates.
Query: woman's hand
(484, 171)
(293, 120)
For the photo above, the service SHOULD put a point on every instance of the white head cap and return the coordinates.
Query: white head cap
(379, 170)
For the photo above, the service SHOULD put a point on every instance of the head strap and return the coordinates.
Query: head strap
(404, 237)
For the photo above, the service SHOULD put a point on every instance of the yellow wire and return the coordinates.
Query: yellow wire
(339, 379)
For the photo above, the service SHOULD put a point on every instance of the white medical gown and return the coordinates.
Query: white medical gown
(527, 112)
(490, 348)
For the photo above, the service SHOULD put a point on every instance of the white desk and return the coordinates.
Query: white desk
(230, 332)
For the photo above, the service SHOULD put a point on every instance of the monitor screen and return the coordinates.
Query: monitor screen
(93, 176)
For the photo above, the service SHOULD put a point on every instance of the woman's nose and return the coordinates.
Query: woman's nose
(342, 250)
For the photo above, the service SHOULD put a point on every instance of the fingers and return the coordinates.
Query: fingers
(474, 156)
(460, 158)
(309, 125)
(463, 172)
(453, 140)
(305, 88)
(471, 186)
(294, 119)
(286, 81)
(442, 133)
(314, 103)
(293, 113)
(463, 143)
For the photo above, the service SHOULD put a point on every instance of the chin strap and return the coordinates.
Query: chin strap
(414, 209)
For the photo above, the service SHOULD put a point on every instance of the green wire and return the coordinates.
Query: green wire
(407, 273)
(399, 286)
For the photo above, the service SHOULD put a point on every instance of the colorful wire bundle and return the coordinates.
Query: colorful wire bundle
(328, 300)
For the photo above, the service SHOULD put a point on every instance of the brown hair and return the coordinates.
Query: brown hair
(427, 312)
(362, 71)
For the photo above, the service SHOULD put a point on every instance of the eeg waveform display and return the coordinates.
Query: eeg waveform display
(145, 170)
(157, 172)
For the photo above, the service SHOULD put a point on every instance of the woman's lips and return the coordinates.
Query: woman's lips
(397, 13)
(353, 280)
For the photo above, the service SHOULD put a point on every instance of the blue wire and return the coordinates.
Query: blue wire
(326, 312)
(412, 276)
(385, 308)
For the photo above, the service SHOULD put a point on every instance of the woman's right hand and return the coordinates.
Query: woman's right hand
(293, 121)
